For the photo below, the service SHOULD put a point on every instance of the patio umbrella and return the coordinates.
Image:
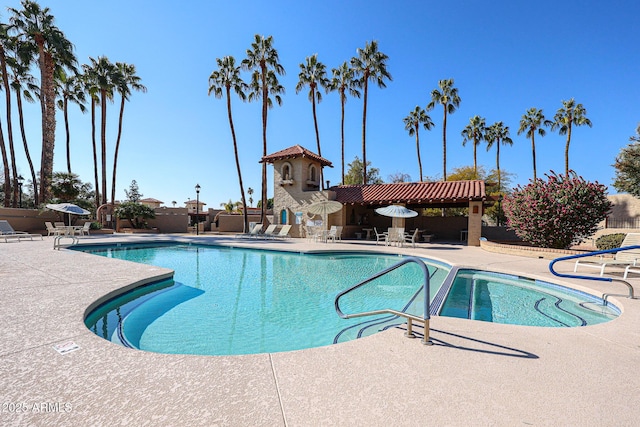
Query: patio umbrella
(396, 211)
(68, 208)
(324, 208)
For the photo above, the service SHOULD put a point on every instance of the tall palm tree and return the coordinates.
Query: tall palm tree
(71, 90)
(498, 133)
(412, 124)
(89, 81)
(105, 75)
(369, 65)
(475, 131)
(125, 81)
(263, 59)
(35, 25)
(24, 84)
(532, 122)
(5, 42)
(313, 73)
(447, 96)
(343, 81)
(221, 82)
(569, 115)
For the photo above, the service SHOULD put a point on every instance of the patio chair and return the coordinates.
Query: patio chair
(51, 229)
(7, 232)
(396, 235)
(380, 236)
(335, 233)
(627, 259)
(84, 231)
(412, 238)
(284, 232)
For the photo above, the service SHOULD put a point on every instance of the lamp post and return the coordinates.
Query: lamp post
(20, 179)
(197, 208)
(499, 209)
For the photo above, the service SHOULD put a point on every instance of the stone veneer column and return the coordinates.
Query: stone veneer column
(474, 228)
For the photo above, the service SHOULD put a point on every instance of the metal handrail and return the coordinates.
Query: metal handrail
(410, 317)
(596, 278)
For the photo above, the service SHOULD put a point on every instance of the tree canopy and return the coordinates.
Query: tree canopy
(627, 167)
(355, 173)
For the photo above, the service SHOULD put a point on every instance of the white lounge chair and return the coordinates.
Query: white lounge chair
(257, 229)
(269, 233)
(8, 233)
(284, 232)
(627, 259)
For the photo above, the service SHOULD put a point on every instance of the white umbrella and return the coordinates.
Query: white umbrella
(68, 208)
(397, 211)
(324, 208)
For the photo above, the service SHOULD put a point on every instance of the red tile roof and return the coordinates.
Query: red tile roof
(293, 153)
(412, 192)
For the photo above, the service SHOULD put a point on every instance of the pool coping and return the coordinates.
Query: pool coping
(476, 372)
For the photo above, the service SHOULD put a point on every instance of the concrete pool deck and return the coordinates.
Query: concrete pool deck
(476, 373)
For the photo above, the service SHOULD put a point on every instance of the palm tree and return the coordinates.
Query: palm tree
(125, 81)
(24, 84)
(370, 64)
(5, 42)
(412, 125)
(263, 59)
(250, 192)
(35, 25)
(314, 74)
(533, 121)
(229, 206)
(71, 90)
(448, 97)
(475, 131)
(106, 78)
(91, 87)
(343, 81)
(566, 117)
(498, 133)
(221, 82)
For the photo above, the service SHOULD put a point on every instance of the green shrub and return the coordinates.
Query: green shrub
(556, 213)
(610, 241)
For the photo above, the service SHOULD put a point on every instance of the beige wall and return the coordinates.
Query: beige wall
(32, 220)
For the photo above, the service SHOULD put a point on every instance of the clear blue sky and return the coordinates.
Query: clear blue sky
(505, 56)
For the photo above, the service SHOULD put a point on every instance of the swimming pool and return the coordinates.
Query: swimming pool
(241, 301)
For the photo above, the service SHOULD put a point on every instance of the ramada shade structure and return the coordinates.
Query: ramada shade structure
(433, 194)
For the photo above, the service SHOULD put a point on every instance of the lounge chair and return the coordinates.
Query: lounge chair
(284, 232)
(411, 238)
(257, 228)
(269, 233)
(627, 259)
(8, 233)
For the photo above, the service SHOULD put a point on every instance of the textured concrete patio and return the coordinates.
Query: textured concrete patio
(477, 373)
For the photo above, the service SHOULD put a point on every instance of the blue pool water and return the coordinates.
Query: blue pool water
(239, 301)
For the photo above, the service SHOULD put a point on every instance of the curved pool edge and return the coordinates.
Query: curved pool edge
(183, 386)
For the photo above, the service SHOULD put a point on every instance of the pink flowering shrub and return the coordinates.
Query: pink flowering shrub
(557, 213)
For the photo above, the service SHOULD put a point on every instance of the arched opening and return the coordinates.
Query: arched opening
(283, 216)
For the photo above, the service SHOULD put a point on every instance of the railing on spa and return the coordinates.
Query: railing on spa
(595, 278)
(410, 317)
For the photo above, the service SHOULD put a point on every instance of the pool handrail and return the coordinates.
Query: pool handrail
(596, 278)
(410, 317)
